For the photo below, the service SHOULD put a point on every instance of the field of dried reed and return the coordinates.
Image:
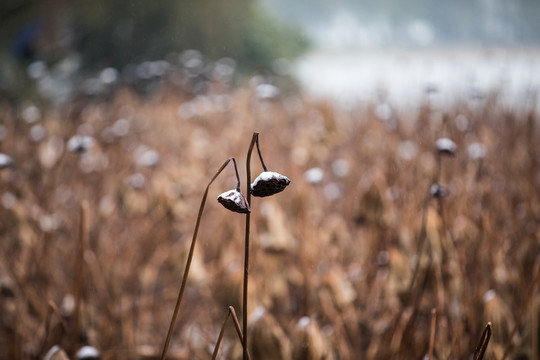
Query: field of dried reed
(383, 245)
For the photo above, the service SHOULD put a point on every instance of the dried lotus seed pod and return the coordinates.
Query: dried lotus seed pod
(438, 191)
(6, 161)
(79, 144)
(269, 183)
(88, 352)
(446, 146)
(234, 201)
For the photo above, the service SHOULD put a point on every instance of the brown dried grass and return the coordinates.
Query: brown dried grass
(345, 263)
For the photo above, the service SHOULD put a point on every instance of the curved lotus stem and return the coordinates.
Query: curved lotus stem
(189, 259)
(254, 140)
(260, 156)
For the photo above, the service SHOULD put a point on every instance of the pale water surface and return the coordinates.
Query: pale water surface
(405, 78)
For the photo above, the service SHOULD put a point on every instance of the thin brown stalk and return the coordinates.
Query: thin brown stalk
(52, 310)
(523, 308)
(260, 156)
(47, 329)
(483, 344)
(188, 262)
(534, 332)
(432, 333)
(254, 139)
(421, 241)
(232, 313)
(404, 321)
(237, 325)
(439, 168)
(218, 343)
(78, 278)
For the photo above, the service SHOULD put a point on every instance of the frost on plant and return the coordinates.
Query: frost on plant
(269, 183)
(234, 201)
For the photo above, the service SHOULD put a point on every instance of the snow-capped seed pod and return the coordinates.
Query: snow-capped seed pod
(80, 144)
(438, 191)
(88, 352)
(269, 183)
(6, 161)
(446, 146)
(234, 201)
(55, 353)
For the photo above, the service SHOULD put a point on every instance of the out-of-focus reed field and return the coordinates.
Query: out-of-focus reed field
(98, 208)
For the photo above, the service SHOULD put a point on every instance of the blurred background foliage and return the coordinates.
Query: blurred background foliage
(116, 33)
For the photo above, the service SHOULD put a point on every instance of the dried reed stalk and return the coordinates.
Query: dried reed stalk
(230, 312)
(254, 139)
(78, 278)
(188, 262)
(52, 310)
(534, 331)
(528, 297)
(432, 333)
(421, 241)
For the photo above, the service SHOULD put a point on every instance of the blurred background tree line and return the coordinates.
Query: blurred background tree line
(114, 33)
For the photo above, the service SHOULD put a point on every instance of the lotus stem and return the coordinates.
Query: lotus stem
(189, 259)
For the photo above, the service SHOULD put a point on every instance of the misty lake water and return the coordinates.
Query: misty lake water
(404, 78)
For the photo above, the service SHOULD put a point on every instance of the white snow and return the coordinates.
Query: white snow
(268, 175)
(233, 195)
(445, 144)
(87, 352)
(5, 160)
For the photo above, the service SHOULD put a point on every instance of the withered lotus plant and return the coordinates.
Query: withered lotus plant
(267, 184)
(264, 185)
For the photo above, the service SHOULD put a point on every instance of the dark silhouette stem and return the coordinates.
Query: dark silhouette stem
(260, 156)
(254, 140)
(432, 333)
(237, 176)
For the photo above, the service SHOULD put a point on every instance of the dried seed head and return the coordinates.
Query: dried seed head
(88, 352)
(5, 161)
(234, 201)
(79, 144)
(56, 353)
(446, 146)
(269, 183)
(438, 191)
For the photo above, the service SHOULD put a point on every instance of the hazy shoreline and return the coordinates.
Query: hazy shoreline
(404, 76)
